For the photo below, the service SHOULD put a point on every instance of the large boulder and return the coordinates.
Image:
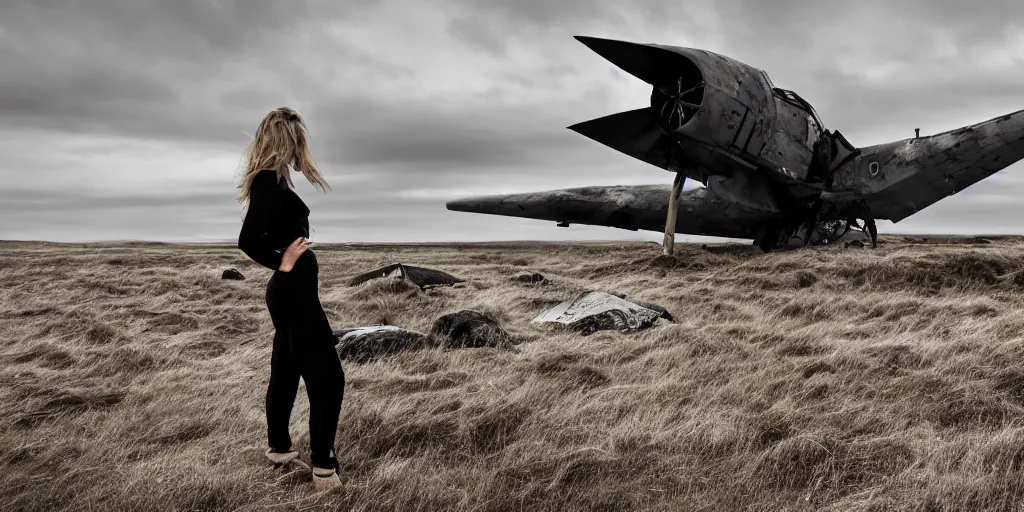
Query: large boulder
(590, 312)
(420, 276)
(464, 329)
(367, 344)
(469, 329)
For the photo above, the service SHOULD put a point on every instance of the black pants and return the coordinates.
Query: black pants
(303, 346)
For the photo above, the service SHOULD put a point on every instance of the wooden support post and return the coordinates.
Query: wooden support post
(869, 225)
(670, 219)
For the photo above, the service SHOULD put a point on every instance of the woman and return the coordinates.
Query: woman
(275, 234)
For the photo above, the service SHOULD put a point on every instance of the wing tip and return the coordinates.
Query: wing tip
(459, 205)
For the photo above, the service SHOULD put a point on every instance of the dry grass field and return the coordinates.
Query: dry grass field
(132, 377)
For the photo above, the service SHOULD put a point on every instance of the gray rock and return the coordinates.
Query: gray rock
(232, 273)
(367, 344)
(464, 329)
(531, 278)
(590, 312)
(469, 329)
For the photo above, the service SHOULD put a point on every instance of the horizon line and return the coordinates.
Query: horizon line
(458, 242)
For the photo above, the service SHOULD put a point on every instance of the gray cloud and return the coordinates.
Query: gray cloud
(129, 116)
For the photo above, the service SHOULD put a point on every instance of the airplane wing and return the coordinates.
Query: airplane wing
(638, 207)
(896, 180)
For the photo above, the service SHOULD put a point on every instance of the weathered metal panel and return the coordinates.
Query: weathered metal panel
(898, 179)
(750, 189)
(791, 146)
(792, 121)
(732, 91)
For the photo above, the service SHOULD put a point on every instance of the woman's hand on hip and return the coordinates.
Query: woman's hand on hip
(291, 255)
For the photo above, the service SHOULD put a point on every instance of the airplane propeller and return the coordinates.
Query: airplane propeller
(674, 110)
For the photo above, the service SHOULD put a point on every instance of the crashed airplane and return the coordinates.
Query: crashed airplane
(771, 170)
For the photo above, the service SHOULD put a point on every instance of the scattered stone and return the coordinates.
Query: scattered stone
(590, 312)
(367, 344)
(464, 329)
(421, 277)
(232, 273)
(531, 278)
(469, 329)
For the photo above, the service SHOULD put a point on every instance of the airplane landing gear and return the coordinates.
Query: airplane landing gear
(823, 231)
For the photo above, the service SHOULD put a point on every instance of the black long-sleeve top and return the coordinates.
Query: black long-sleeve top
(276, 217)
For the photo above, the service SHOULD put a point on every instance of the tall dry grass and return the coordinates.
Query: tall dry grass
(132, 378)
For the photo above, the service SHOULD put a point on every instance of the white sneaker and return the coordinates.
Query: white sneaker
(281, 458)
(325, 478)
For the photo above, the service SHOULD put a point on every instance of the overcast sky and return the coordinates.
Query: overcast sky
(126, 119)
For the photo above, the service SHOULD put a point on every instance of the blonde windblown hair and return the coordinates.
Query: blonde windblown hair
(281, 140)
